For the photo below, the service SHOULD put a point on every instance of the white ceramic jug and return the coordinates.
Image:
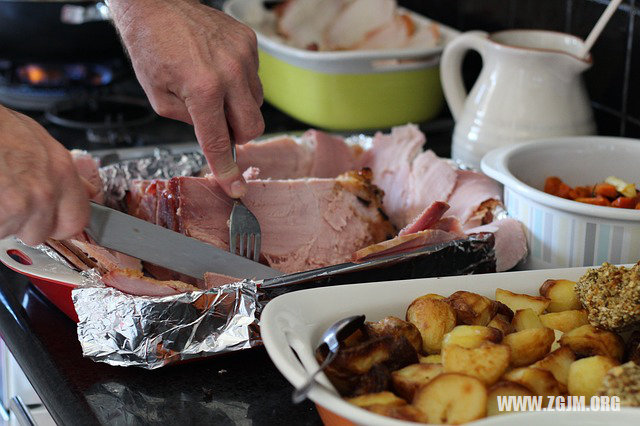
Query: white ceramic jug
(530, 87)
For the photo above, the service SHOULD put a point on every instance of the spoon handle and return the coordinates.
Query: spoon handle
(300, 394)
(597, 29)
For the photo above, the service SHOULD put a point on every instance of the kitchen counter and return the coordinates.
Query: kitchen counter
(238, 388)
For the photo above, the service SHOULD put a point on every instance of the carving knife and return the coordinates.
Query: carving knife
(161, 246)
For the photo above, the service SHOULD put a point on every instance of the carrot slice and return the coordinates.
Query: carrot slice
(624, 202)
(597, 201)
(581, 192)
(606, 190)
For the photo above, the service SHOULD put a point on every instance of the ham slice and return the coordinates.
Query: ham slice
(99, 257)
(69, 255)
(390, 159)
(324, 220)
(361, 17)
(510, 242)
(426, 219)
(135, 283)
(405, 243)
(331, 157)
(277, 158)
(213, 280)
(471, 191)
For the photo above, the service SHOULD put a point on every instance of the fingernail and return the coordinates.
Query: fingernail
(238, 189)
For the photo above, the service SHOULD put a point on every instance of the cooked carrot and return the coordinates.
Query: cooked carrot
(598, 201)
(638, 206)
(554, 186)
(624, 202)
(605, 190)
(581, 192)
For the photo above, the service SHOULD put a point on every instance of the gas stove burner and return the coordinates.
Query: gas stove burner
(107, 120)
(102, 113)
(34, 86)
(64, 75)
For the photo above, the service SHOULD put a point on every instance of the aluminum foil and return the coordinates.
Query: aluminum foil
(151, 332)
(161, 165)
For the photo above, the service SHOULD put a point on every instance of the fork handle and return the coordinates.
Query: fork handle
(300, 394)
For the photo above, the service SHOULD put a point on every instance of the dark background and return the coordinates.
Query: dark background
(613, 82)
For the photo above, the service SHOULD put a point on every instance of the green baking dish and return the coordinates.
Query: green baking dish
(348, 90)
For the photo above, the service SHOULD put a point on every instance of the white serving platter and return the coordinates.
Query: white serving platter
(295, 322)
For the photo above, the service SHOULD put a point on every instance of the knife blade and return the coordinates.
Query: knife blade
(161, 246)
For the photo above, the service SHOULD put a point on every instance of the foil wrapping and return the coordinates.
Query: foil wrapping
(161, 165)
(151, 332)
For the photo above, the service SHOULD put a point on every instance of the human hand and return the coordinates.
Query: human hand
(42, 194)
(199, 66)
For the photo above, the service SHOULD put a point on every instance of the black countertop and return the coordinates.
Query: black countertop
(238, 388)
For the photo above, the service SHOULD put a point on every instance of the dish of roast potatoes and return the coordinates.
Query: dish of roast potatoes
(450, 357)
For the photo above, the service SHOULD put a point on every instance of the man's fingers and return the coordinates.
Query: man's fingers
(243, 113)
(39, 225)
(72, 211)
(256, 88)
(168, 105)
(210, 126)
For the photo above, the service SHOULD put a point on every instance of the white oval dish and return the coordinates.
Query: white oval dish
(292, 324)
(565, 233)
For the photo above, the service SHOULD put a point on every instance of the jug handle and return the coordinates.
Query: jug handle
(451, 67)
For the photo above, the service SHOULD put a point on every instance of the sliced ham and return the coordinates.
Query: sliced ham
(135, 283)
(306, 223)
(426, 219)
(332, 156)
(449, 224)
(405, 243)
(213, 280)
(510, 242)
(102, 258)
(432, 179)
(87, 168)
(359, 18)
(390, 159)
(277, 158)
(69, 255)
(471, 191)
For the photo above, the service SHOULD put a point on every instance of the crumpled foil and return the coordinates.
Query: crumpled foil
(151, 332)
(161, 165)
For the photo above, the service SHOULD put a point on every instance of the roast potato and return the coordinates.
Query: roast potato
(486, 362)
(379, 398)
(540, 382)
(472, 308)
(565, 320)
(524, 319)
(433, 318)
(393, 326)
(562, 294)
(430, 359)
(530, 345)
(501, 323)
(408, 379)
(586, 374)
(452, 398)
(503, 388)
(558, 363)
(471, 336)
(588, 340)
(517, 301)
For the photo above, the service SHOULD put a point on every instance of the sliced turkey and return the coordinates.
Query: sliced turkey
(304, 22)
(357, 20)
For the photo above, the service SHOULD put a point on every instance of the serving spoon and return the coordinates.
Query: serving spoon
(332, 337)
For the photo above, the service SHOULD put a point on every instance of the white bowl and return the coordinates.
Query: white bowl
(291, 326)
(565, 233)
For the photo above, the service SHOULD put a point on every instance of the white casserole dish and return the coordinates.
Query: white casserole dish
(560, 232)
(295, 322)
